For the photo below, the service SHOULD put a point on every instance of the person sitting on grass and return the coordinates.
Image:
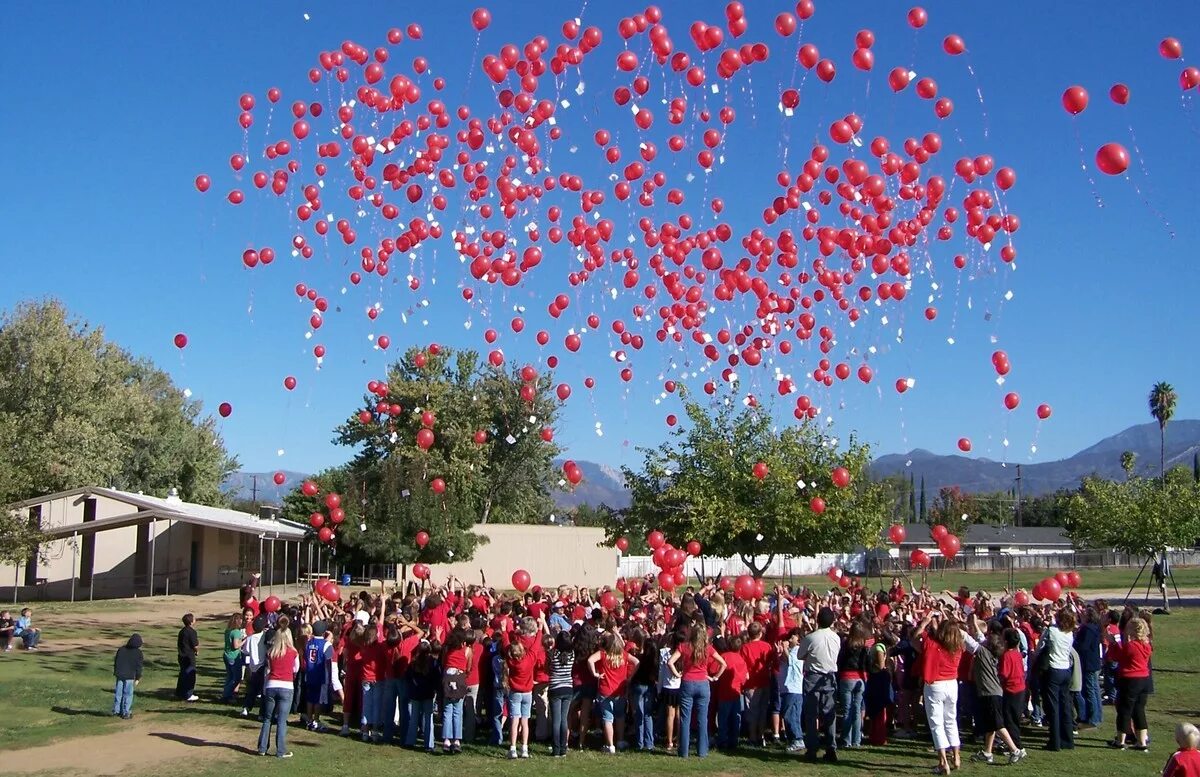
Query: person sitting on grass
(7, 626)
(30, 635)
(1184, 762)
(127, 667)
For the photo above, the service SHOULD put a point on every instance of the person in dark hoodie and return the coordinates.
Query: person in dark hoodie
(127, 666)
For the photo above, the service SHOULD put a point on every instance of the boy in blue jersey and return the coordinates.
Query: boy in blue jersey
(314, 667)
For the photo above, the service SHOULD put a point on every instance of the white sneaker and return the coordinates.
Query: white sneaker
(193, 697)
(245, 712)
(524, 752)
(610, 749)
(512, 753)
(1017, 756)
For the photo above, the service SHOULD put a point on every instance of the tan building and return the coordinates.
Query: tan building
(105, 543)
(552, 555)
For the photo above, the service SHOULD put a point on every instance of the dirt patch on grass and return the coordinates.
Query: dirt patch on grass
(141, 748)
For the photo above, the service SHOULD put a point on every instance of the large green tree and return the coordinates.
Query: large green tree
(701, 484)
(389, 486)
(78, 410)
(1162, 402)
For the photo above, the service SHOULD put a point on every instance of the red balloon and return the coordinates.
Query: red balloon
(608, 600)
(726, 583)
(520, 580)
(1021, 599)
(279, 478)
(844, 581)
(1075, 100)
(917, 17)
(655, 539)
(481, 18)
(950, 546)
(225, 409)
(1119, 93)
(1112, 159)
(964, 444)
(666, 580)
(203, 182)
(1044, 411)
(181, 340)
(325, 534)
(1074, 579)
(841, 477)
(1005, 178)
(817, 505)
(438, 485)
(332, 593)
(898, 78)
(422, 539)
(421, 571)
(310, 488)
(918, 558)
(272, 604)
(333, 500)
(834, 573)
(1037, 592)
(897, 534)
(1189, 78)
(694, 548)
(1011, 400)
(251, 604)
(425, 439)
(760, 470)
(939, 533)
(1062, 578)
(1051, 588)
(743, 587)
(1170, 48)
(289, 383)
(954, 45)
(622, 544)
(316, 520)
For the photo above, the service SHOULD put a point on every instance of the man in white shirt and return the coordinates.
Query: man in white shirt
(819, 650)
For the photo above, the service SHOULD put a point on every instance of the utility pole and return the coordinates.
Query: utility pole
(1018, 495)
(254, 487)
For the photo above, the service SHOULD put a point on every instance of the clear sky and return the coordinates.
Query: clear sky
(111, 110)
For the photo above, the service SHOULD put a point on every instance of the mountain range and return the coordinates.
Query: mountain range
(603, 484)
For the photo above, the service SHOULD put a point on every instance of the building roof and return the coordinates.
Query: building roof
(172, 509)
(991, 535)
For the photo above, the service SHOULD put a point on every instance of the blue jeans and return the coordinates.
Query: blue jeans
(792, 709)
(275, 706)
(643, 716)
(693, 699)
(729, 723)
(31, 638)
(560, 717)
(1060, 713)
(496, 717)
(1093, 711)
(123, 697)
(371, 697)
(395, 693)
(233, 676)
(420, 713)
(850, 703)
(452, 720)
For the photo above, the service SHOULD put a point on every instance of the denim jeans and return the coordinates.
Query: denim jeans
(452, 720)
(420, 713)
(123, 697)
(643, 717)
(693, 701)
(233, 676)
(496, 717)
(31, 638)
(560, 718)
(1060, 716)
(729, 723)
(395, 694)
(792, 709)
(371, 697)
(1093, 711)
(276, 703)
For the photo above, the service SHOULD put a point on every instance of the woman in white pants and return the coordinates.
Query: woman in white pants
(941, 650)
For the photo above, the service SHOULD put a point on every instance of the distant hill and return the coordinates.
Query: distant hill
(1103, 458)
(601, 485)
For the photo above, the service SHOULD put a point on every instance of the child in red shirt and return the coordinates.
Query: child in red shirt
(1185, 762)
(729, 692)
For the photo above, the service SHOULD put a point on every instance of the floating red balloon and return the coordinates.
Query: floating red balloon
(422, 539)
(331, 593)
(655, 539)
(1170, 48)
(840, 477)
(310, 488)
(897, 534)
(964, 444)
(481, 18)
(1112, 159)
(279, 478)
(760, 470)
(181, 340)
(694, 548)
(1075, 100)
(421, 571)
(1044, 411)
(743, 587)
(1119, 93)
(520, 580)
(225, 409)
(622, 544)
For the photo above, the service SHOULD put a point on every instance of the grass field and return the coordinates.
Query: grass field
(63, 694)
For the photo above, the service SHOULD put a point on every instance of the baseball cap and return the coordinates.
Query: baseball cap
(362, 617)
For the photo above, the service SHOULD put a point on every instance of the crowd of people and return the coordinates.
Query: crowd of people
(813, 673)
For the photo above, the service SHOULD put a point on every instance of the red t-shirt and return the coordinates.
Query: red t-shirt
(1012, 671)
(733, 679)
(372, 658)
(694, 670)
(1133, 658)
(520, 673)
(456, 659)
(757, 655)
(937, 662)
(614, 680)
(473, 671)
(1183, 763)
(734, 625)
(536, 609)
(281, 668)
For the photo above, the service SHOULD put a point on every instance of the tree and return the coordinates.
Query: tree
(1138, 516)
(1128, 462)
(392, 484)
(912, 499)
(19, 539)
(923, 514)
(1162, 406)
(1046, 510)
(954, 509)
(1196, 467)
(702, 485)
(77, 410)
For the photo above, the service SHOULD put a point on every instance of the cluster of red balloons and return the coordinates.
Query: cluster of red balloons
(839, 577)
(328, 590)
(1051, 588)
(669, 559)
(947, 543)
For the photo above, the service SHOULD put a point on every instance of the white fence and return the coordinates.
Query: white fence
(780, 566)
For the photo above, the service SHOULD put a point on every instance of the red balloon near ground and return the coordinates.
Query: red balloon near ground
(1112, 159)
(939, 533)
(743, 587)
(694, 548)
(1074, 579)
(918, 559)
(520, 580)
(332, 593)
(272, 604)
(1021, 598)
(421, 571)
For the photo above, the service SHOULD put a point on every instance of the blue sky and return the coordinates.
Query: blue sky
(112, 110)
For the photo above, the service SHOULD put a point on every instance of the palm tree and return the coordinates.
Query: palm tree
(1162, 407)
(1128, 460)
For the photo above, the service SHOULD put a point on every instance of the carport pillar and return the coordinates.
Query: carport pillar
(74, 561)
(298, 542)
(153, 534)
(285, 560)
(271, 582)
(260, 563)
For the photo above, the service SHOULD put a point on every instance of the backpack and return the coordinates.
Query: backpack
(454, 685)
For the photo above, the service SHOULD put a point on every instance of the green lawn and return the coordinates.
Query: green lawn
(55, 696)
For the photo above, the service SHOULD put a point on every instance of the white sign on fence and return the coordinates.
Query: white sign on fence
(780, 566)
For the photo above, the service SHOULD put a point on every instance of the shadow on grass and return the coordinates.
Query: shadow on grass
(200, 742)
(85, 713)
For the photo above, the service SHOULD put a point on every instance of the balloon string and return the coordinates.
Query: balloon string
(979, 93)
(1137, 151)
(1083, 163)
(1185, 102)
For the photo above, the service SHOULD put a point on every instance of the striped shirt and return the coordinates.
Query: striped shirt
(561, 662)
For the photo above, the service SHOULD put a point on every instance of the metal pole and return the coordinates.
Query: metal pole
(297, 566)
(271, 581)
(1018, 495)
(153, 534)
(75, 562)
(310, 564)
(285, 555)
(260, 563)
